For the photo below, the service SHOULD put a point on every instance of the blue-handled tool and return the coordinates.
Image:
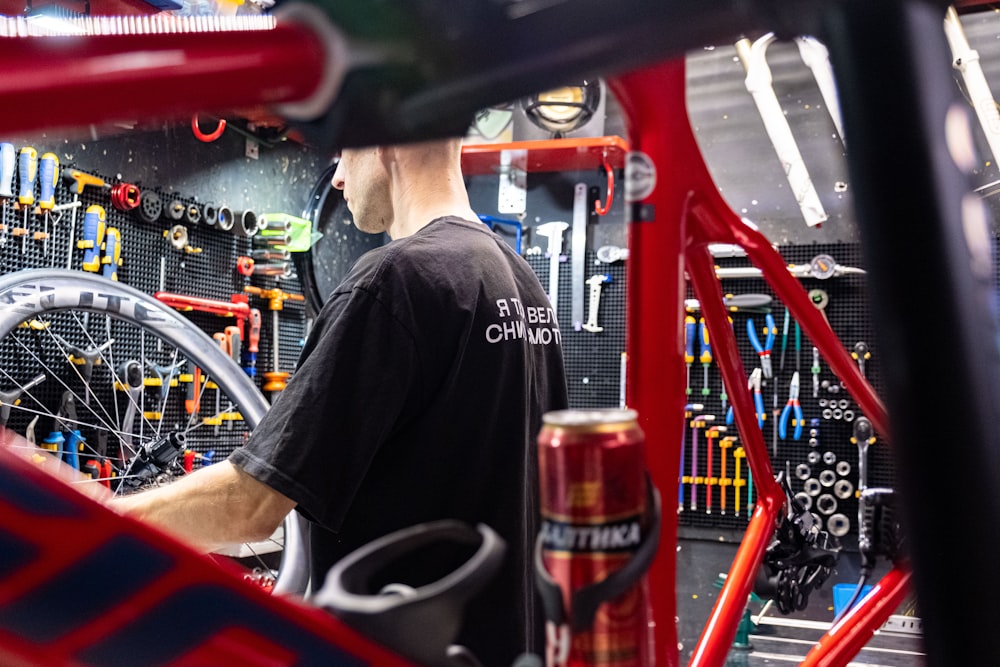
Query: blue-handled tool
(48, 177)
(763, 351)
(792, 409)
(27, 167)
(758, 397)
(94, 224)
(753, 382)
(705, 356)
(690, 331)
(8, 160)
(112, 258)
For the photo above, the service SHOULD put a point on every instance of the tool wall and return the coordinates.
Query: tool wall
(821, 455)
(151, 236)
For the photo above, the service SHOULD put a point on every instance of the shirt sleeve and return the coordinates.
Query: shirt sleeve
(358, 379)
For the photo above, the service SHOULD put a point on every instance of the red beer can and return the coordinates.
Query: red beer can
(594, 512)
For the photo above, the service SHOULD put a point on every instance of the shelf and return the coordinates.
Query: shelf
(545, 155)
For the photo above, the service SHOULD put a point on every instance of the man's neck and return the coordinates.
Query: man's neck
(414, 212)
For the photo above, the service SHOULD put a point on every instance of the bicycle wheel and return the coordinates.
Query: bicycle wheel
(104, 377)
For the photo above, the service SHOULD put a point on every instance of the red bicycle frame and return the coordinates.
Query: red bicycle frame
(669, 235)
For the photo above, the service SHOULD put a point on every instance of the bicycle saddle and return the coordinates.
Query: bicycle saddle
(418, 621)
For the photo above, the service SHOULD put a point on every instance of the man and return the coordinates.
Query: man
(418, 397)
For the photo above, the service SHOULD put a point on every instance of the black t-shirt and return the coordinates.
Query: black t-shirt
(419, 396)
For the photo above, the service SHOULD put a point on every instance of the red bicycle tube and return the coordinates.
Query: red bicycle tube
(845, 639)
(138, 75)
(185, 302)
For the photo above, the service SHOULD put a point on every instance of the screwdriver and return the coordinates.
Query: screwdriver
(7, 160)
(94, 222)
(49, 170)
(27, 165)
(253, 340)
(112, 258)
(690, 329)
(705, 356)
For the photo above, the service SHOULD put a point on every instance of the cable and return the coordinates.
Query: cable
(865, 573)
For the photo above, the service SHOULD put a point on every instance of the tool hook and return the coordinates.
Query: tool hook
(211, 136)
(600, 209)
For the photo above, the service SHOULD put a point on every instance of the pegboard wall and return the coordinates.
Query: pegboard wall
(823, 464)
(593, 359)
(180, 249)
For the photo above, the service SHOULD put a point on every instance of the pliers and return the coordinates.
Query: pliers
(763, 351)
(792, 407)
(753, 382)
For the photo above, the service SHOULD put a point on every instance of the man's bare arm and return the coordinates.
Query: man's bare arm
(213, 507)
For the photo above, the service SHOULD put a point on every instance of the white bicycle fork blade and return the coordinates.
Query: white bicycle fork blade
(817, 58)
(758, 84)
(966, 61)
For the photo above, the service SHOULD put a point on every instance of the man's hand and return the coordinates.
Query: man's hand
(13, 444)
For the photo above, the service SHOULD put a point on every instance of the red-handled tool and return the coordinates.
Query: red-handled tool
(192, 398)
(253, 342)
(235, 309)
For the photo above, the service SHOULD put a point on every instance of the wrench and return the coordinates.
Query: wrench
(131, 376)
(863, 436)
(861, 353)
(595, 281)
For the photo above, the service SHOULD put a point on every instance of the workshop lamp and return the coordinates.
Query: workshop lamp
(565, 109)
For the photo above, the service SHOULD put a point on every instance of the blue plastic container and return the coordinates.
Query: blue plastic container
(842, 595)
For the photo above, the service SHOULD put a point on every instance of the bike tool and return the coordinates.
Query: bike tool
(763, 351)
(8, 160)
(163, 381)
(738, 482)
(65, 432)
(690, 331)
(861, 353)
(689, 411)
(225, 345)
(712, 434)
(94, 227)
(192, 398)
(753, 382)
(130, 379)
(724, 479)
(48, 178)
(253, 341)
(863, 436)
(815, 370)
(112, 258)
(697, 422)
(792, 408)
(27, 166)
(705, 356)
(87, 359)
(12, 397)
